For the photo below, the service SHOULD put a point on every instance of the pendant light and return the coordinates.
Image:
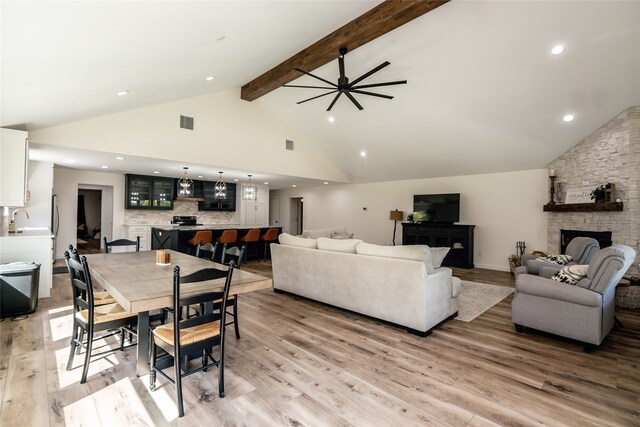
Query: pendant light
(249, 190)
(221, 188)
(185, 184)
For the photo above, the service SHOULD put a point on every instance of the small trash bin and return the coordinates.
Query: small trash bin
(19, 283)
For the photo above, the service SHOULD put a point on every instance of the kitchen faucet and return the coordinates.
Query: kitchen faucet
(13, 215)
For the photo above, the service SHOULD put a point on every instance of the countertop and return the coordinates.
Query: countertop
(26, 234)
(203, 227)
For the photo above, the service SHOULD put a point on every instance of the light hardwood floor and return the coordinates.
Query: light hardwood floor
(303, 363)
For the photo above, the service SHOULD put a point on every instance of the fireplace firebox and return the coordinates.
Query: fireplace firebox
(603, 237)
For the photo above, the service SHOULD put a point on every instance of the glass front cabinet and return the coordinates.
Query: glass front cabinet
(148, 192)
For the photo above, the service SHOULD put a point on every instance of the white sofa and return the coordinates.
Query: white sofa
(348, 274)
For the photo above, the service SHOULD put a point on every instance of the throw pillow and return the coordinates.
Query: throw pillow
(437, 256)
(323, 232)
(571, 274)
(557, 259)
(410, 252)
(342, 236)
(289, 240)
(338, 245)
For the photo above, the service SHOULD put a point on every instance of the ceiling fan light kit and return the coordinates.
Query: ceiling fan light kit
(345, 87)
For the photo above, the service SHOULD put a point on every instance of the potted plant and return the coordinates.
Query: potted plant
(598, 194)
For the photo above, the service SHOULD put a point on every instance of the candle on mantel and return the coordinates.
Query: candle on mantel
(552, 172)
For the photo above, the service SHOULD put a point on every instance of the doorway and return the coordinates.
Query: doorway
(89, 220)
(295, 215)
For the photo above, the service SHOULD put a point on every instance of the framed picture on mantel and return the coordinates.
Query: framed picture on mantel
(578, 195)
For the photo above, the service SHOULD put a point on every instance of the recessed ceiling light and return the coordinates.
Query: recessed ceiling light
(266, 183)
(210, 78)
(119, 158)
(363, 153)
(105, 167)
(294, 186)
(235, 179)
(557, 49)
(568, 117)
(326, 182)
(123, 92)
(331, 119)
(156, 171)
(200, 176)
(72, 161)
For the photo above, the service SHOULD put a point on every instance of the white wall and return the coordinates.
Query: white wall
(40, 183)
(228, 132)
(65, 185)
(504, 207)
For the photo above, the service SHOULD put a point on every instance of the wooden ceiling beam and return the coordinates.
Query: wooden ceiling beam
(383, 18)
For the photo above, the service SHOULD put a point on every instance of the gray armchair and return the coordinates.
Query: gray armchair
(581, 249)
(584, 311)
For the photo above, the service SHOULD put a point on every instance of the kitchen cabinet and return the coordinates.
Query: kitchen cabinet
(255, 213)
(148, 192)
(210, 203)
(14, 158)
(28, 246)
(144, 231)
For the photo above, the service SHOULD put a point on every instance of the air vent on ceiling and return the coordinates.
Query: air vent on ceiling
(289, 145)
(186, 122)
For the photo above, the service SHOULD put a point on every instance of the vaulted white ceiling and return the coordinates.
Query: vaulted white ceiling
(484, 94)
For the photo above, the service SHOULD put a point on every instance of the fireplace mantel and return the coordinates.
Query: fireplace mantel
(584, 207)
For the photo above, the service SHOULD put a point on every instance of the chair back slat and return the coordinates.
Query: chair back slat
(205, 297)
(80, 284)
(207, 247)
(237, 255)
(121, 243)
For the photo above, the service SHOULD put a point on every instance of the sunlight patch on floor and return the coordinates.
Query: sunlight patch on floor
(61, 327)
(164, 396)
(98, 364)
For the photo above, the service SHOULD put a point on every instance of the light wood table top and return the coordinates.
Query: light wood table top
(138, 284)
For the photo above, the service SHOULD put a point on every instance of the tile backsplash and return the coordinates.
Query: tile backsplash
(154, 217)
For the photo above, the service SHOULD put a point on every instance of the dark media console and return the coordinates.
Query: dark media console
(457, 237)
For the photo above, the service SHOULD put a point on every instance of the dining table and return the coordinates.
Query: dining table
(140, 285)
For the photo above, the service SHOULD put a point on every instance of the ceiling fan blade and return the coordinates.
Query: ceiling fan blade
(334, 101)
(309, 87)
(316, 77)
(356, 103)
(365, 75)
(315, 97)
(341, 67)
(371, 93)
(399, 82)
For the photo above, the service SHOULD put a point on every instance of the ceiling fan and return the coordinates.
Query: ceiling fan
(346, 87)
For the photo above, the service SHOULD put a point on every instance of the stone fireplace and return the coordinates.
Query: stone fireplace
(610, 154)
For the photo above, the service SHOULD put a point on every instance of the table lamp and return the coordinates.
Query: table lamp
(395, 216)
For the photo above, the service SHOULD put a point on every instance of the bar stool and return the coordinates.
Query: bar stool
(228, 237)
(252, 236)
(271, 235)
(204, 237)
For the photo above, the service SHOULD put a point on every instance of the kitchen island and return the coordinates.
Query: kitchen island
(175, 237)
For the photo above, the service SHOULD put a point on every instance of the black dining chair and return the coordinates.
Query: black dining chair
(207, 250)
(99, 297)
(121, 243)
(192, 336)
(235, 255)
(89, 318)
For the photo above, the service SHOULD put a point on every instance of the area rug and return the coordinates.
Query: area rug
(476, 298)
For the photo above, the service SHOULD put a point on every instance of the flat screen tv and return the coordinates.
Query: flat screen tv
(443, 208)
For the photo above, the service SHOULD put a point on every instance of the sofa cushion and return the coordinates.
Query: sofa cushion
(437, 256)
(412, 252)
(338, 245)
(323, 232)
(571, 274)
(456, 287)
(289, 240)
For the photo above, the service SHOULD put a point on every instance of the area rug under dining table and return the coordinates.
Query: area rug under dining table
(476, 298)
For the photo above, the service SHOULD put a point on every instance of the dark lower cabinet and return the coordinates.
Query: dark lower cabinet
(455, 236)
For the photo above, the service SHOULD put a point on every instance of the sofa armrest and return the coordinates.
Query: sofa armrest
(539, 286)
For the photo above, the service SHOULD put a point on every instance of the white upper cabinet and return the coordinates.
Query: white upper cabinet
(14, 157)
